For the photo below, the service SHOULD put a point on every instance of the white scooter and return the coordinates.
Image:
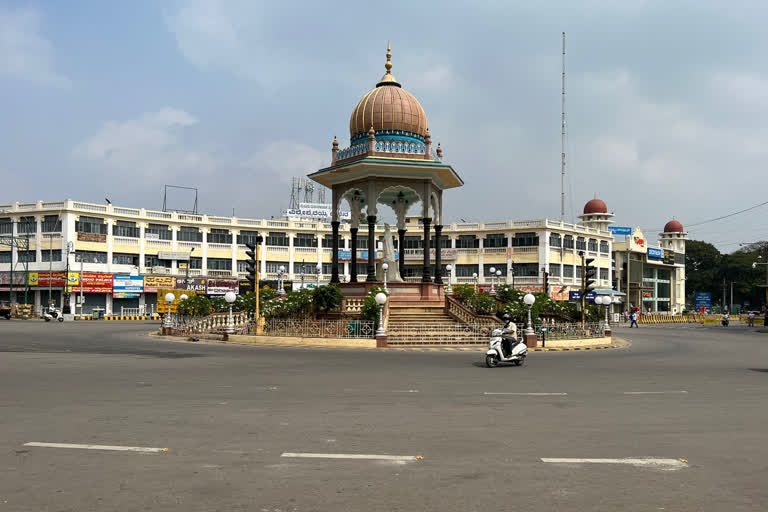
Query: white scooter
(505, 349)
(52, 314)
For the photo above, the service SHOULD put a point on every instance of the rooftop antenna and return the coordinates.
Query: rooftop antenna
(309, 189)
(321, 194)
(562, 146)
(293, 203)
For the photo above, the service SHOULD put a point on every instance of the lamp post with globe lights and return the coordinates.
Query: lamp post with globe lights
(474, 276)
(384, 268)
(280, 275)
(529, 300)
(381, 299)
(167, 321)
(498, 277)
(449, 269)
(493, 278)
(230, 297)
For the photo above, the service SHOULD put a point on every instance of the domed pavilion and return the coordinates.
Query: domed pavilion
(390, 162)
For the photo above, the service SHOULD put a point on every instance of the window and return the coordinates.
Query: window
(362, 242)
(567, 270)
(649, 273)
(328, 241)
(413, 271)
(219, 264)
(27, 225)
(151, 260)
(125, 228)
(162, 231)
(274, 266)
(554, 270)
(581, 244)
(604, 247)
(662, 275)
(219, 236)
(5, 257)
(525, 240)
(527, 269)
(242, 266)
(6, 226)
(578, 272)
(467, 242)
(196, 263)
(445, 242)
(305, 240)
(247, 237)
(465, 270)
(555, 240)
(91, 225)
(327, 268)
(497, 267)
(592, 245)
(51, 224)
(277, 239)
(125, 259)
(568, 242)
(51, 255)
(604, 274)
(26, 256)
(362, 269)
(91, 256)
(304, 266)
(189, 234)
(495, 240)
(413, 242)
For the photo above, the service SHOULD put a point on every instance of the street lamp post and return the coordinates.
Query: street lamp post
(280, 273)
(319, 269)
(493, 279)
(381, 299)
(604, 300)
(230, 298)
(498, 277)
(449, 269)
(384, 268)
(474, 276)
(529, 299)
(169, 298)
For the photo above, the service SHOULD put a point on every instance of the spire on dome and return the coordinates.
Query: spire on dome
(388, 78)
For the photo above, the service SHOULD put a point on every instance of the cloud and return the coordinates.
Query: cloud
(24, 52)
(286, 159)
(748, 89)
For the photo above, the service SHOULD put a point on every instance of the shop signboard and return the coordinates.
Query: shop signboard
(244, 287)
(221, 286)
(91, 282)
(162, 305)
(620, 230)
(45, 279)
(653, 252)
(669, 258)
(127, 287)
(703, 301)
(153, 283)
(418, 254)
(575, 296)
(19, 280)
(172, 255)
(191, 283)
(92, 237)
(560, 292)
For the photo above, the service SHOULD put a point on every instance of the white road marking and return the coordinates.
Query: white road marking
(357, 456)
(681, 392)
(526, 394)
(405, 391)
(645, 461)
(99, 447)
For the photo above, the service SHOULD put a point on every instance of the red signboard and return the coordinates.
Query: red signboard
(45, 279)
(94, 283)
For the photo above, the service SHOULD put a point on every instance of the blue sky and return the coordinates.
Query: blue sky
(666, 105)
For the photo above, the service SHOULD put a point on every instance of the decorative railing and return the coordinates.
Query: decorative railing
(307, 328)
(53, 204)
(305, 250)
(220, 273)
(227, 247)
(462, 313)
(352, 305)
(567, 331)
(157, 243)
(448, 332)
(495, 250)
(191, 218)
(190, 245)
(526, 250)
(121, 240)
(126, 211)
(90, 207)
(277, 224)
(220, 220)
(217, 322)
(159, 215)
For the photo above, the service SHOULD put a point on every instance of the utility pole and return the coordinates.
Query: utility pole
(723, 303)
(562, 145)
(730, 308)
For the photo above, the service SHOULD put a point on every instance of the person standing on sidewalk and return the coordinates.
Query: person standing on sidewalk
(634, 320)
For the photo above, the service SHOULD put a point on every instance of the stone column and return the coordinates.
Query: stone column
(353, 255)
(425, 273)
(371, 249)
(438, 256)
(335, 251)
(401, 252)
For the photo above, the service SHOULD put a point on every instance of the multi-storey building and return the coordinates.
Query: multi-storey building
(106, 239)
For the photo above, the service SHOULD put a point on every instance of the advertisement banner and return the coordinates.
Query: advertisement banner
(575, 296)
(19, 278)
(45, 279)
(445, 255)
(221, 286)
(91, 237)
(703, 300)
(655, 253)
(91, 282)
(191, 283)
(162, 305)
(620, 230)
(127, 287)
(560, 292)
(361, 256)
(153, 283)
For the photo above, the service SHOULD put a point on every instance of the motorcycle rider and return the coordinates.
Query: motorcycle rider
(509, 333)
(726, 319)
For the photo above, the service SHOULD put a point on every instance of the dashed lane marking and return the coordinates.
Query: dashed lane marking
(525, 394)
(355, 456)
(680, 392)
(143, 449)
(671, 464)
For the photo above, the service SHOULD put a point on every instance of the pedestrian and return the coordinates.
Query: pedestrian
(751, 319)
(634, 320)
(626, 316)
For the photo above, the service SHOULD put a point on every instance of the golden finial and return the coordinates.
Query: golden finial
(388, 78)
(388, 65)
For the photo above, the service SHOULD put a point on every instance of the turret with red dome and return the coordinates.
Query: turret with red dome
(596, 215)
(673, 226)
(673, 237)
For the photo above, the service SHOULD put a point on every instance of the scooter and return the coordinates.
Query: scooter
(503, 349)
(53, 314)
(725, 321)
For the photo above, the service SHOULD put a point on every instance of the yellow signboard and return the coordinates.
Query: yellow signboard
(162, 305)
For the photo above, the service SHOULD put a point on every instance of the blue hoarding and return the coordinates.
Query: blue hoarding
(620, 230)
(576, 296)
(127, 287)
(703, 300)
(655, 253)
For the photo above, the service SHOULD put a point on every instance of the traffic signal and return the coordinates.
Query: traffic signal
(546, 282)
(252, 262)
(590, 275)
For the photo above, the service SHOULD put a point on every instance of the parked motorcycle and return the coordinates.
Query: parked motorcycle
(505, 347)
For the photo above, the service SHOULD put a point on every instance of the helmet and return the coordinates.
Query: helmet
(506, 317)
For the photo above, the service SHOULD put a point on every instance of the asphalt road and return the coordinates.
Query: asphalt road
(228, 413)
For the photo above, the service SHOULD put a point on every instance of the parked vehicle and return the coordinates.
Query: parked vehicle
(505, 347)
(5, 310)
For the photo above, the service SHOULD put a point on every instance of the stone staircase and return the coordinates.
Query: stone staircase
(429, 324)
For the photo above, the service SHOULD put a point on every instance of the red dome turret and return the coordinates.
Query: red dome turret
(673, 226)
(595, 206)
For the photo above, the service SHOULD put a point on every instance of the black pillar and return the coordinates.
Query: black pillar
(335, 251)
(438, 256)
(401, 252)
(353, 256)
(371, 249)
(427, 271)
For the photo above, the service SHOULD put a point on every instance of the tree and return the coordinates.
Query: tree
(702, 267)
(326, 298)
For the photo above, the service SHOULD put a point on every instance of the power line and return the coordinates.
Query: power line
(729, 215)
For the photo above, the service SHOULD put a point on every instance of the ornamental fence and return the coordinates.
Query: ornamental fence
(308, 328)
(569, 331)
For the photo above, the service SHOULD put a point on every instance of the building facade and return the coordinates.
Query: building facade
(103, 239)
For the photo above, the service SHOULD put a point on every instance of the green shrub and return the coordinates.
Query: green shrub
(482, 304)
(196, 305)
(463, 293)
(370, 310)
(326, 298)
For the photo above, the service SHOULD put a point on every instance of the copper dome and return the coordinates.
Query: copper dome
(673, 226)
(595, 206)
(388, 107)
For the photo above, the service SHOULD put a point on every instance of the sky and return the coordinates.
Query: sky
(665, 103)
